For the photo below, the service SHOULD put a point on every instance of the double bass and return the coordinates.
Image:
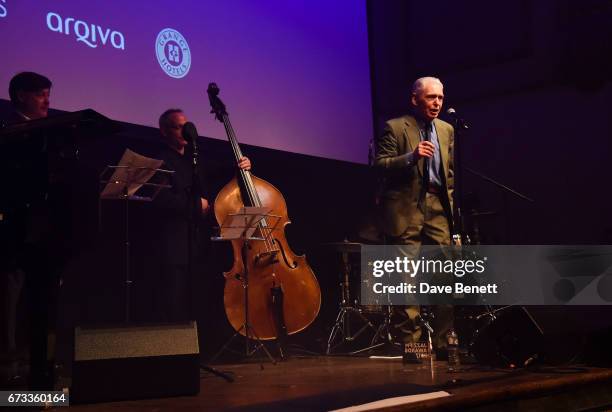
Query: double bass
(283, 293)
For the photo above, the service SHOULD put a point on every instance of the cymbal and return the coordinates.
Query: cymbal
(344, 247)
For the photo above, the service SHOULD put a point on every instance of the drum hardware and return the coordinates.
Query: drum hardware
(383, 336)
(342, 326)
(347, 307)
(386, 334)
(490, 312)
(375, 306)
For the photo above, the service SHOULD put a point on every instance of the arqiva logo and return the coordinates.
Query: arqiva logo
(85, 32)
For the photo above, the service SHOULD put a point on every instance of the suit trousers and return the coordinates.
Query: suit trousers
(427, 227)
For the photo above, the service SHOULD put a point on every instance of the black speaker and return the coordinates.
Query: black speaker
(135, 362)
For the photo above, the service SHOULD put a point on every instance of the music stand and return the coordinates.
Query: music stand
(133, 174)
(241, 226)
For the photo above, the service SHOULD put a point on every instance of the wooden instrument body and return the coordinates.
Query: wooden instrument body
(270, 264)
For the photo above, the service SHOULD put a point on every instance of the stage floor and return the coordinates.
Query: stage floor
(332, 382)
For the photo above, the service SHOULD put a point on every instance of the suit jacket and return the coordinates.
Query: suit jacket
(401, 192)
(179, 209)
(14, 117)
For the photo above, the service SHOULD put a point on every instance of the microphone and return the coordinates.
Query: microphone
(459, 122)
(190, 134)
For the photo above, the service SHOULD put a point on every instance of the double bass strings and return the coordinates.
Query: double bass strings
(249, 186)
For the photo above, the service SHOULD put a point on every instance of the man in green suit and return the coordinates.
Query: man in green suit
(415, 156)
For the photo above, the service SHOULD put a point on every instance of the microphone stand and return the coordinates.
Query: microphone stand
(461, 128)
(500, 185)
(504, 190)
(193, 231)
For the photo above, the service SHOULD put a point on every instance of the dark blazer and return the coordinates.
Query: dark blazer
(401, 192)
(179, 211)
(14, 117)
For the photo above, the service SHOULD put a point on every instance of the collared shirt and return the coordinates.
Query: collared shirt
(434, 161)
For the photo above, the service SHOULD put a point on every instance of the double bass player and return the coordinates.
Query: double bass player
(177, 217)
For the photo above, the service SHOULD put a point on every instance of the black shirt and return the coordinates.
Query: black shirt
(179, 207)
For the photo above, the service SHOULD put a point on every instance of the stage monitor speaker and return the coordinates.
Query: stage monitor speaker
(135, 362)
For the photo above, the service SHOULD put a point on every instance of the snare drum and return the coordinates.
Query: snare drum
(376, 306)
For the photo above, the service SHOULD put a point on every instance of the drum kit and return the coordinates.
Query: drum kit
(495, 336)
(355, 319)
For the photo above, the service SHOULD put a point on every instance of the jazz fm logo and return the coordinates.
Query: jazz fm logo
(173, 54)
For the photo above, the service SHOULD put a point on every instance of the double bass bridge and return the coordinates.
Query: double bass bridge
(267, 257)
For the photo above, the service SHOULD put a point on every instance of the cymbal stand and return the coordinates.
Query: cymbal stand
(343, 319)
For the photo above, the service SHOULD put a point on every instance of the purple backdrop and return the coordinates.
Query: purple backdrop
(294, 75)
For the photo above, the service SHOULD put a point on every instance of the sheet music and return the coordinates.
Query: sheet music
(133, 170)
(235, 224)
